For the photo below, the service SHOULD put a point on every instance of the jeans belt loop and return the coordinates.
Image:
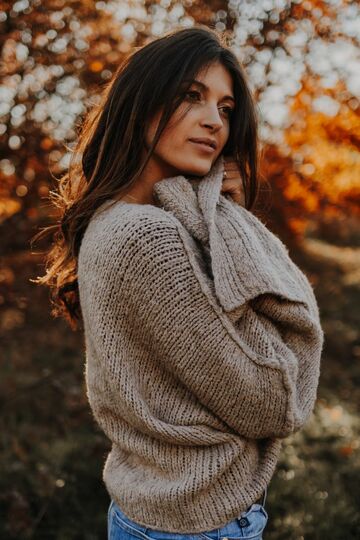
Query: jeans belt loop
(264, 496)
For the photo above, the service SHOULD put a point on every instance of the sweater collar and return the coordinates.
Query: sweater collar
(197, 204)
(193, 202)
(246, 258)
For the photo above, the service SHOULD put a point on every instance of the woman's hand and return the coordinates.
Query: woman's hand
(232, 183)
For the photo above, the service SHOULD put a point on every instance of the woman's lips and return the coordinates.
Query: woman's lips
(204, 147)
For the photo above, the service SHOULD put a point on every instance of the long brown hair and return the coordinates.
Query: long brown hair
(107, 157)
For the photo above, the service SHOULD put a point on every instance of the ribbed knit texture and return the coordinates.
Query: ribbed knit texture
(203, 346)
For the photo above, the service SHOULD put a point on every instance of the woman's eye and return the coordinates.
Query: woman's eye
(228, 110)
(192, 92)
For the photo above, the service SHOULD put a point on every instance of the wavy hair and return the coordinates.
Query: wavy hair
(107, 157)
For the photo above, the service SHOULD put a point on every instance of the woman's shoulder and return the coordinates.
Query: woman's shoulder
(117, 223)
(119, 216)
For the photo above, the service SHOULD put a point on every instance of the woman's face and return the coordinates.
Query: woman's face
(208, 116)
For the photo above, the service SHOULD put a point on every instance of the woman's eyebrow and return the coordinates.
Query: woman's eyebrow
(204, 87)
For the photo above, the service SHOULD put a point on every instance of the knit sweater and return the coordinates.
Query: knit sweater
(203, 345)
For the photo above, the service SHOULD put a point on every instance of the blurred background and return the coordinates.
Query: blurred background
(303, 65)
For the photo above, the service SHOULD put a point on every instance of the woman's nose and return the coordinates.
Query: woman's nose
(212, 118)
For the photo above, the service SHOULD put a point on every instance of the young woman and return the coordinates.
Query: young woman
(203, 339)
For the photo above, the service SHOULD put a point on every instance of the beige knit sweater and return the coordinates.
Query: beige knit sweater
(203, 347)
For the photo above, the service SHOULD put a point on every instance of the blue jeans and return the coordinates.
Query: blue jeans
(250, 525)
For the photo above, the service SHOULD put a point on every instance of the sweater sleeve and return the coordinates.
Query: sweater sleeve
(256, 377)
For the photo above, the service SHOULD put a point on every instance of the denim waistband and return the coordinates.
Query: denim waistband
(246, 524)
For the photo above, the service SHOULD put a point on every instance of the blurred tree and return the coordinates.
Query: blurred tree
(57, 55)
(303, 63)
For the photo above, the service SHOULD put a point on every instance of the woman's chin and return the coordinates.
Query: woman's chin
(198, 171)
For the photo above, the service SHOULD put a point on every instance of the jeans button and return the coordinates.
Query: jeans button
(243, 522)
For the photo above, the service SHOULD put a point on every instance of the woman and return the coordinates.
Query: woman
(203, 339)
